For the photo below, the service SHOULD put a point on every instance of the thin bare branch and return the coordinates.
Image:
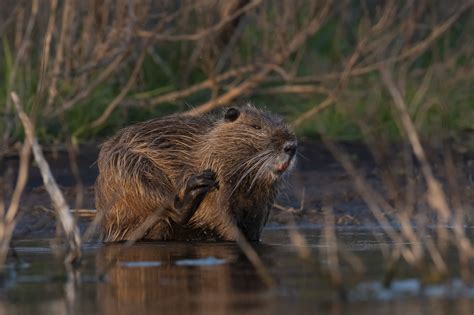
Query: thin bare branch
(131, 81)
(20, 55)
(62, 209)
(104, 75)
(299, 39)
(202, 34)
(207, 84)
(436, 196)
(8, 219)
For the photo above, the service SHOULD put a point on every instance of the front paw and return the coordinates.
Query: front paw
(196, 188)
(202, 183)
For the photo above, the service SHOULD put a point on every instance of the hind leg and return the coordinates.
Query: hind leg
(178, 207)
(126, 200)
(127, 204)
(185, 203)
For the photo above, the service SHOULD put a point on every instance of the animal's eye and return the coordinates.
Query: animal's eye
(256, 127)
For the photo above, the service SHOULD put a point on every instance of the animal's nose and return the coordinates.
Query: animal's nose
(290, 148)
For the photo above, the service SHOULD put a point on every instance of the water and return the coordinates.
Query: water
(215, 278)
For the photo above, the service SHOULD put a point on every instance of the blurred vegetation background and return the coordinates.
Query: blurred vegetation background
(83, 69)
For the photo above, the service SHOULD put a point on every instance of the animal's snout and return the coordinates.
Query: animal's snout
(290, 148)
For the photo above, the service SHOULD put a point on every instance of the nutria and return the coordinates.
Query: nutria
(207, 175)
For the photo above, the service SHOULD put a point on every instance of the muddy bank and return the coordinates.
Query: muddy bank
(318, 183)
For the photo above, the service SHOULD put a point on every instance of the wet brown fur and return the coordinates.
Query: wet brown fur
(145, 166)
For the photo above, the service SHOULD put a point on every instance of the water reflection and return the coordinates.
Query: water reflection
(215, 278)
(179, 278)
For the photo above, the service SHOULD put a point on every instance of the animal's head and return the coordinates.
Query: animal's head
(251, 145)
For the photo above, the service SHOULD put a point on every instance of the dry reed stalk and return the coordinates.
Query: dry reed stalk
(330, 241)
(298, 40)
(378, 206)
(350, 70)
(464, 245)
(254, 259)
(19, 56)
(8, 218)
(87, 90)
(207, 84)
(331, 98)
(435, 195)
(58, 60)
(414, 251)
(332, 273)
(93, 226)
(201, 34)
(292, 89)
(67, 221)
(328, 102)
(299, 241)
(46, 50)
(119, 98)
(72, 151)
(333, 250)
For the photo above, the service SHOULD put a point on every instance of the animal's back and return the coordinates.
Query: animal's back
(141, 167)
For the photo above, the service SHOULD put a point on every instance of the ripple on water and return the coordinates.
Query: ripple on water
(410, 288)
(207, 261)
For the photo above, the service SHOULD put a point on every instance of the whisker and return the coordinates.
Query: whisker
(244, 165)
(298, 153)
(261, 171)
(249, 171)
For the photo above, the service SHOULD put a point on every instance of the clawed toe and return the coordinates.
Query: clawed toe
(206, 179)
(195, 190)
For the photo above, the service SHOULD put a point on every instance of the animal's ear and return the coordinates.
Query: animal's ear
(231, 114)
